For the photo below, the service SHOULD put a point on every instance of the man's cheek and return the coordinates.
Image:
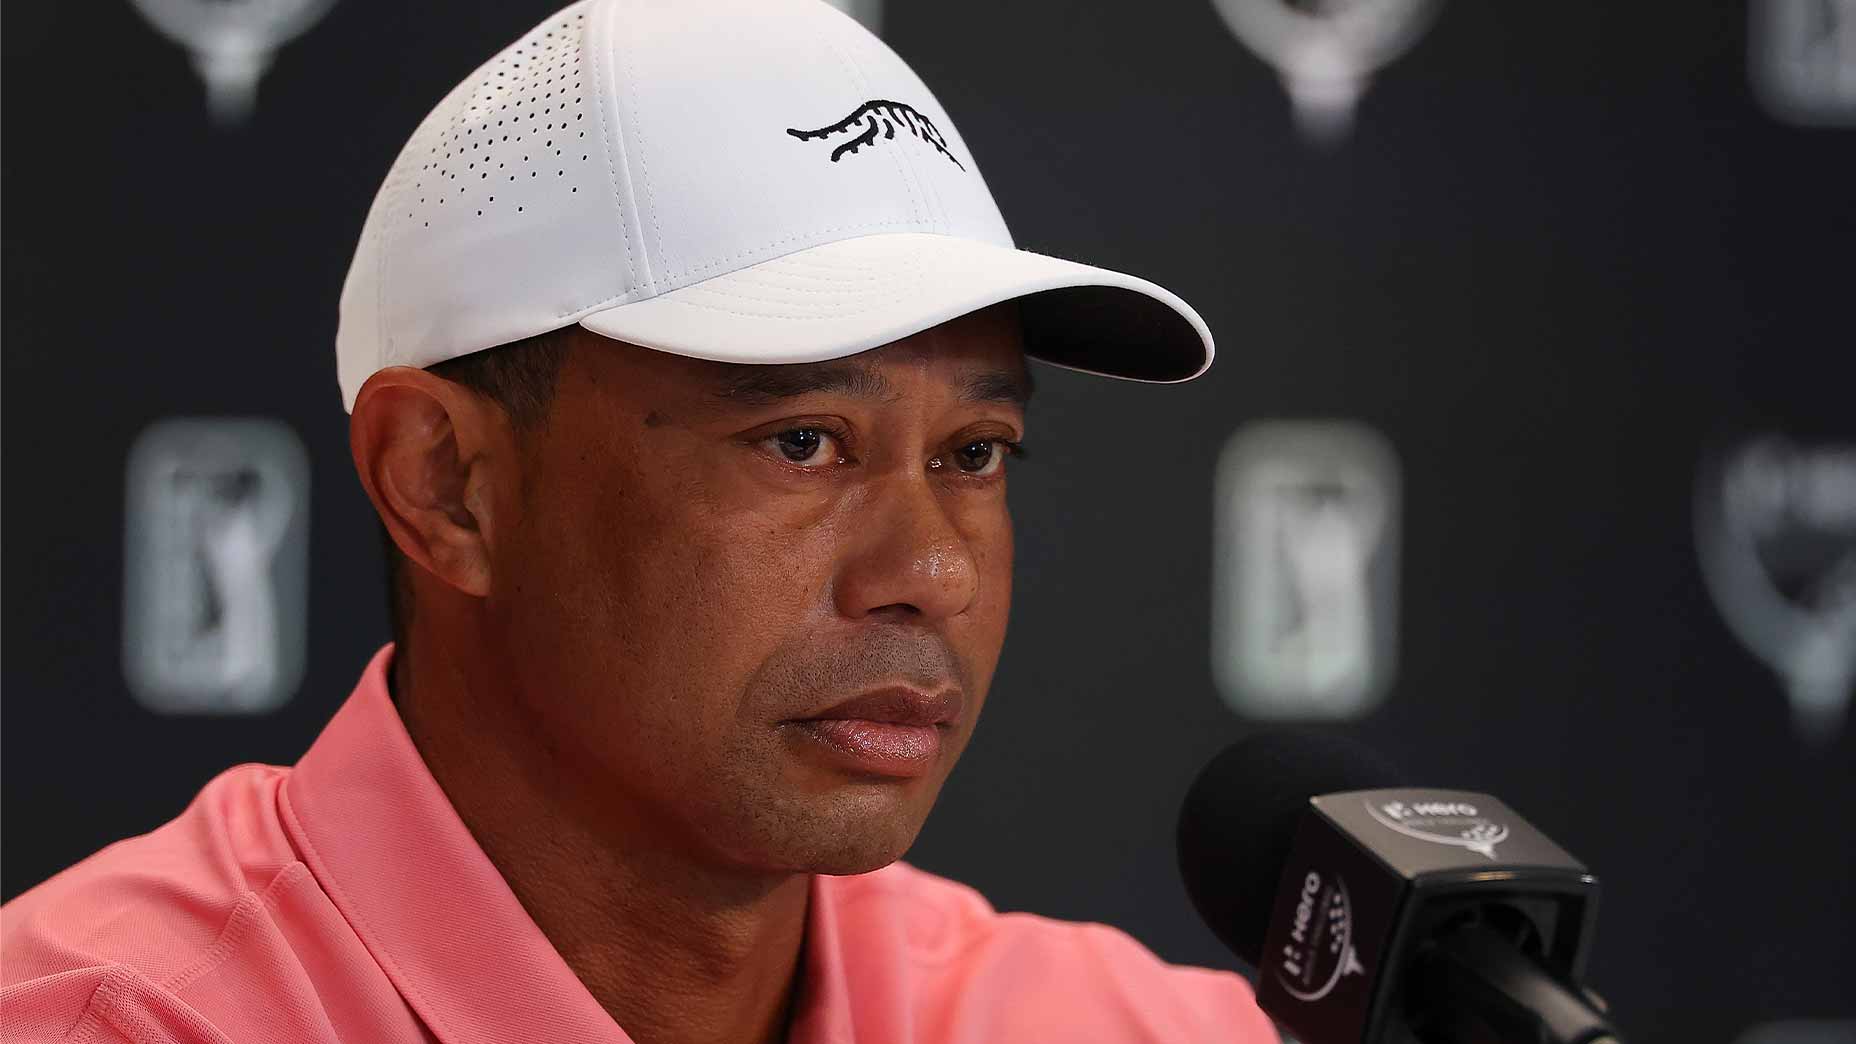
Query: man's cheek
(775, 566)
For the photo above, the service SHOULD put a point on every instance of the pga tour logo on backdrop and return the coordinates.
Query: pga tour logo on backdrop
(1457, 823)
(1319, 951)
(216, 566)
(1304, 583)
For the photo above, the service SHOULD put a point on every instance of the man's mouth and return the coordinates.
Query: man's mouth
(896, 732)
(897, 705)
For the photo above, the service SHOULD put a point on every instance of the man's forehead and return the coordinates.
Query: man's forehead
(980, 357)
(863, 377)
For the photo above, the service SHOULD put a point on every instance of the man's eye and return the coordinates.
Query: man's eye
(984, 457)
(812, 446)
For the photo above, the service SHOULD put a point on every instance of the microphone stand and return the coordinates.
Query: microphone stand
(1473, 986)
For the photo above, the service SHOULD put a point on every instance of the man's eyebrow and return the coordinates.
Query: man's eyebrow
(1013, 386)
(756, 385)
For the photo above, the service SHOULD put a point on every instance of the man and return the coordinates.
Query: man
(685, 350)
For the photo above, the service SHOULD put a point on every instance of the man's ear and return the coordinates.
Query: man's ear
(419, 444)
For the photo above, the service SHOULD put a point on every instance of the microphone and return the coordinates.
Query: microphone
(1387, 914)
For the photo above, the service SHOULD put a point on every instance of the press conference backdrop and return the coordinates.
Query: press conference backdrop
(1530, 454)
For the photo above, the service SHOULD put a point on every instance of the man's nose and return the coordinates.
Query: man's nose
(910, 559)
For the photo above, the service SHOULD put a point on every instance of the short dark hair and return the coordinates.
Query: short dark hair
(520, 377)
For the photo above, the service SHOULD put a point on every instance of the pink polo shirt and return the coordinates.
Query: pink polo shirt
(343, 900)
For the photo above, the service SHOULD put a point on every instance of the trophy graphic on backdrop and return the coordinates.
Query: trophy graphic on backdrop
(216, 562)
(1801, 58)
(1775, 525)
(232, 42)
(1326, 50)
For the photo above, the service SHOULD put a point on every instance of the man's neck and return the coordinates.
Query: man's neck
(675, 952)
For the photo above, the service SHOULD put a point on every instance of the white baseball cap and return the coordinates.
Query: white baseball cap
(753, 181)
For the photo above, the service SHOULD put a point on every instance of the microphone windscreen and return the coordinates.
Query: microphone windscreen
(1239, 820)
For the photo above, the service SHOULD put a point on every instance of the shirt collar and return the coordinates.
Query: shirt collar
(387, 847)
(391, 852)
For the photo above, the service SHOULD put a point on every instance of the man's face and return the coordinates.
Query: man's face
(707, 560)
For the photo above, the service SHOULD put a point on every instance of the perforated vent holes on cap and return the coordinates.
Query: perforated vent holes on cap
(513, 137)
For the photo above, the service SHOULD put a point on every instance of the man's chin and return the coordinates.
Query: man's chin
(852, 835)
(847, 862)
(857, 851)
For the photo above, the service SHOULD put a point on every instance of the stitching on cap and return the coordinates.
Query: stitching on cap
(936, 213)
(799, 263)
(929, 182)
(644, 148)
(876, 301)
(804, 284)
(853, 295)
(790, 316)
(612, 172)
(794, 266)
(764, 277)
(640, 293)
(720, 261)
(940, 204)
(732, 283)
(894, 290)
(894, 155)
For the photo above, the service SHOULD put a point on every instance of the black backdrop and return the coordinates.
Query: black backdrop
(1563, 254)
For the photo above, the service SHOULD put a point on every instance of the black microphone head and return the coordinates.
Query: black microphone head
(1239, 819)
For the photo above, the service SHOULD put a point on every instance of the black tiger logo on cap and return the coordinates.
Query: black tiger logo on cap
(879, 115)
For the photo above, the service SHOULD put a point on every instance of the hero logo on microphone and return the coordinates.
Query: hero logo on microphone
(1319, 950)
(1441, 822)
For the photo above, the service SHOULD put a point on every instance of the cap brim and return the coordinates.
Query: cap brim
(837, 299)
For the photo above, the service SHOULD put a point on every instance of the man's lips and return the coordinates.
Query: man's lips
(897, 705)
(894, 732)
